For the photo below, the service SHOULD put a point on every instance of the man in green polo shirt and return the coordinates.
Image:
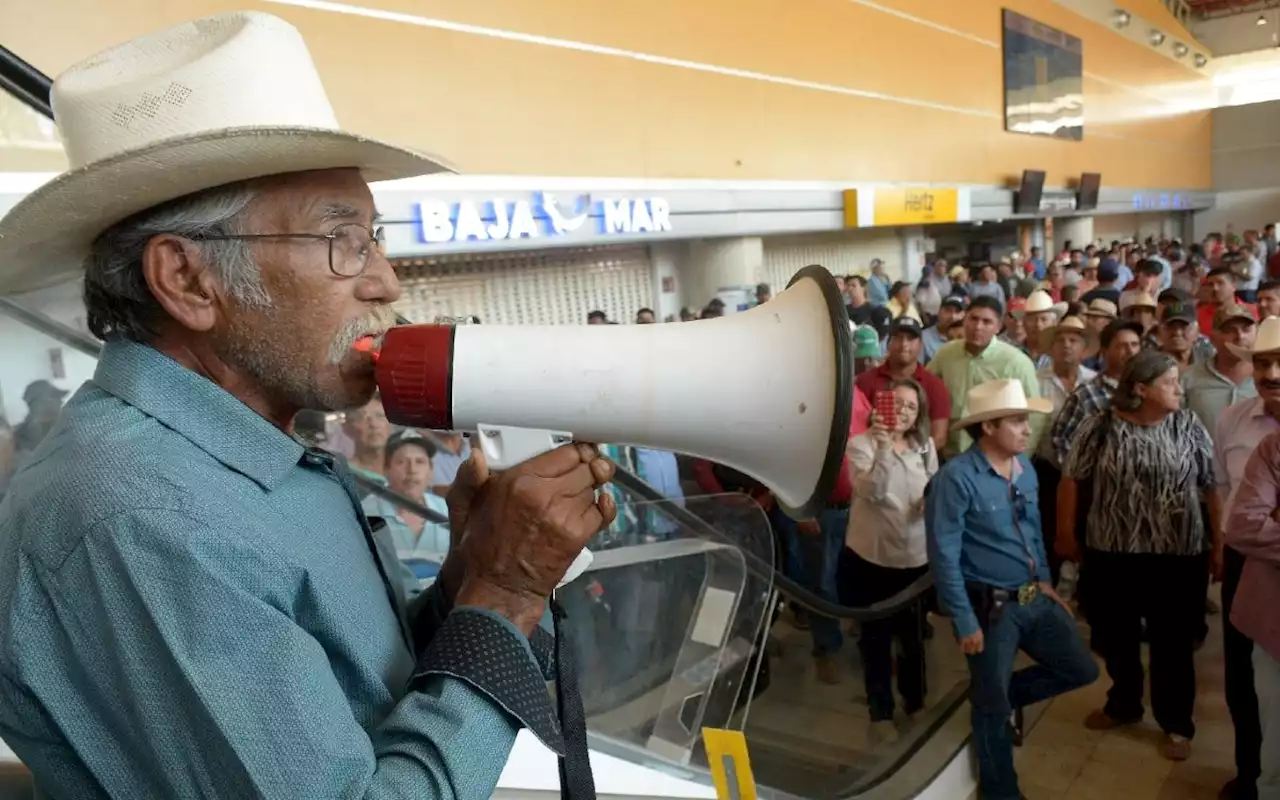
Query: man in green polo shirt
(977, 358)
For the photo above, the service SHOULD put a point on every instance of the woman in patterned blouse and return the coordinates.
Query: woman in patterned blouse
(1147, 549)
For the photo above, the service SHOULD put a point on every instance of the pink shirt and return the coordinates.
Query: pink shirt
(1253, 532)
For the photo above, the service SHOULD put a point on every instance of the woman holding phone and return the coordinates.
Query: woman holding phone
(885, 549)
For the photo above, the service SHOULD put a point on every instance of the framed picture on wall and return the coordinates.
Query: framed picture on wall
(1043, 79)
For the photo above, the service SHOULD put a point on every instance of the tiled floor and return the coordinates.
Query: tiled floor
(1061, 760)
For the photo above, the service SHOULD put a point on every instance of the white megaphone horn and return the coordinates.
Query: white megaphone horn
(768, 392)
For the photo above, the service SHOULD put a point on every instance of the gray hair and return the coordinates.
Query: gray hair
(1143, 369)
(116, 296)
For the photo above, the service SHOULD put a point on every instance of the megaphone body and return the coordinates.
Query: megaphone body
(768, 392)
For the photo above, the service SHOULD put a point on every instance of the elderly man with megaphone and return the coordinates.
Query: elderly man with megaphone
(193, 602)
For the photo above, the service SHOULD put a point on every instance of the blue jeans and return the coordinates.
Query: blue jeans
(1046, 633)
(822, 561)
(813, 563)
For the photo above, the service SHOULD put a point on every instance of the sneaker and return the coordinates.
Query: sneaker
(827, 670)
(1100, 721)
(1175, 747)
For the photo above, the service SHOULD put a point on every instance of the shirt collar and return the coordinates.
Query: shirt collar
(1259, 408)
(982, 464)
(205, 414)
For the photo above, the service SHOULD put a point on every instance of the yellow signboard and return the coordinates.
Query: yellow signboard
(915, 206)
(851, 208)
(729, 764)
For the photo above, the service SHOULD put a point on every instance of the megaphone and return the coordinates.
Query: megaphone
(768, 392)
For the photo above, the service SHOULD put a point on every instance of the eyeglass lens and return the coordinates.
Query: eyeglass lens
(351, 245)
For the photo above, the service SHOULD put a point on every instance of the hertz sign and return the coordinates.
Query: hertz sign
(912, 205)
(920, 206)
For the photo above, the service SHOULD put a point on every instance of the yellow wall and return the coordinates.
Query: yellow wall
(496, 105)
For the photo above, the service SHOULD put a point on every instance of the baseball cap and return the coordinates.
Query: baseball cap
(1230, 312)
(905, 325)
(1173, 295)
(954, 302)
(42, 390)
(1108, 270)
(409, 436)
(866, 342)
(1178, 312)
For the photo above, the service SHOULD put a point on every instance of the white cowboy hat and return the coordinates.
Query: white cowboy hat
(1101, 308)
(1137, 299)
(1267, 341)
(1039, 302)
(1002, 398)
(205, 103)
(1068, 325)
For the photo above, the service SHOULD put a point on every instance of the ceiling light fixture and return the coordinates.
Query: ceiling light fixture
(1261, 20)
(1180, 49)
(1156, 37)
(1201, 61)
(1121, 18)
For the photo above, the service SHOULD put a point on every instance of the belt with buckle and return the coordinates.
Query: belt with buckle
(1025, 594)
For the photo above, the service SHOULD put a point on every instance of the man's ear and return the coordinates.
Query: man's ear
(180, 281)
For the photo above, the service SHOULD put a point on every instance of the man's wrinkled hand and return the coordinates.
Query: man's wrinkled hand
(517, 532)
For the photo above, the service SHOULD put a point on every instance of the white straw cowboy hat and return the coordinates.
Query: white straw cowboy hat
(205, 103)
(1002, 398)
(1101, 308)
(1267, 341)
(1039, 302)
(1068, 325)
(1135, 299)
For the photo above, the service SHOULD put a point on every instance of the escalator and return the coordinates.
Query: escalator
(681, 630)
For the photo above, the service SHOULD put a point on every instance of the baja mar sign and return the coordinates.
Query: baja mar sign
(543, 214)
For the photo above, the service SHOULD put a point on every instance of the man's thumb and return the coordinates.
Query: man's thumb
(471, 476)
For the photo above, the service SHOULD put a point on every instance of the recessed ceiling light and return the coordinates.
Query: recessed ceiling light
(1121, 18)
(1261, 20)
(1201, 61)
(1156, 37)
(1180, 49)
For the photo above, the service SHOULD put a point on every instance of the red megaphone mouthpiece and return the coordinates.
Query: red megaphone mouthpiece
(414, 371)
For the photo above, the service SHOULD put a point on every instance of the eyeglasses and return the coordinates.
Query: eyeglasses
(351, 245)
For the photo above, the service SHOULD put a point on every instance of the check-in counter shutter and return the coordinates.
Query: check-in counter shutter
(843, 253)
(547, 287)
(1118, 227)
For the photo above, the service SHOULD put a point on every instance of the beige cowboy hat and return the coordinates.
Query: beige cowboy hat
(1002, 398)
(1039, 302)
(1101, 308)
(1267, 341)
(1136, 299)
(1068, 325)
(222, 99)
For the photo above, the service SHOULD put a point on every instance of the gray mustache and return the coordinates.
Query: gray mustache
(376, 323)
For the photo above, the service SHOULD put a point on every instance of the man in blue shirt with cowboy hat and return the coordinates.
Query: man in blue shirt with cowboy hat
(987, 555)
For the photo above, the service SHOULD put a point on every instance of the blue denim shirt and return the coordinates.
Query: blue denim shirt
(190, 607)
(982, 528)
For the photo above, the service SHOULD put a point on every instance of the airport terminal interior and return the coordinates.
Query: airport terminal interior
(904, 324)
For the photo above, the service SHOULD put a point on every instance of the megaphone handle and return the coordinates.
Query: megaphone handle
(504, 447)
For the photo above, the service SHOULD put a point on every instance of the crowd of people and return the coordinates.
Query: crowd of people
(1054, 437)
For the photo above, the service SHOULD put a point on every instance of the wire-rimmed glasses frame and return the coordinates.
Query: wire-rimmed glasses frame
(359, 251)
